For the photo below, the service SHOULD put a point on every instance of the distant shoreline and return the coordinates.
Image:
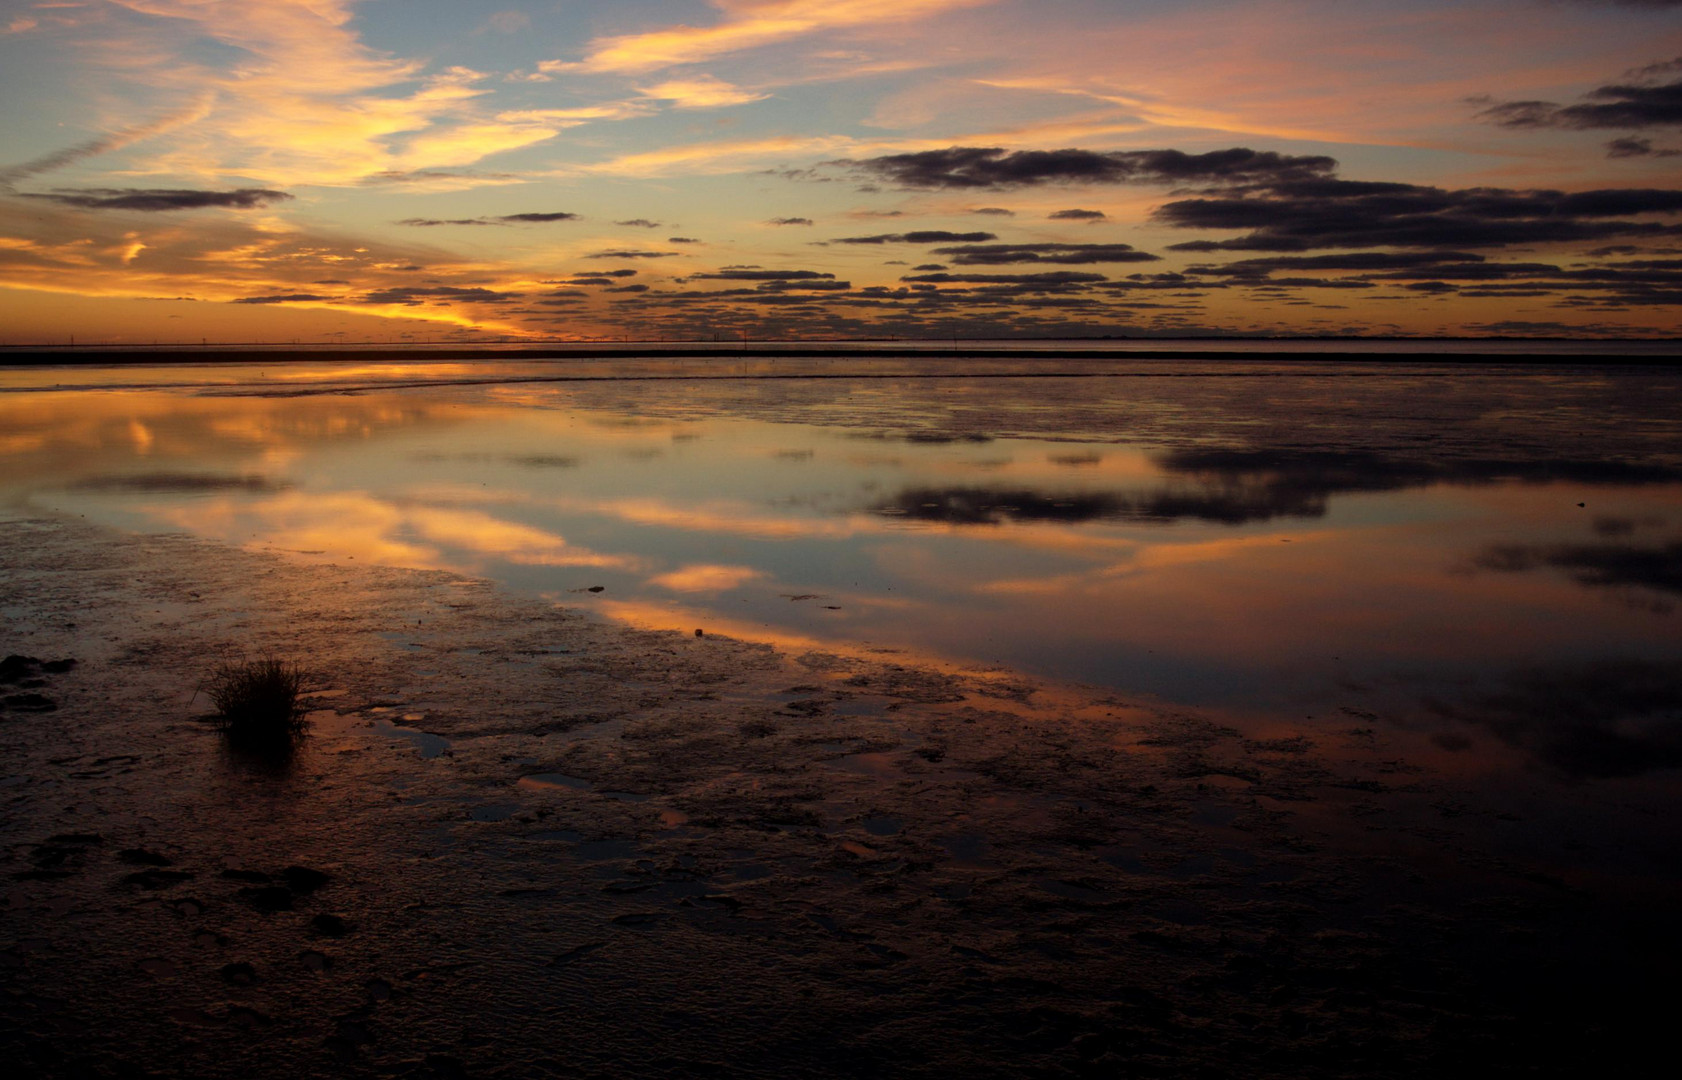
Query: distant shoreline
(1412, 350)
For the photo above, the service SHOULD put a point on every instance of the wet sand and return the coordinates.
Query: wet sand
(523, 842)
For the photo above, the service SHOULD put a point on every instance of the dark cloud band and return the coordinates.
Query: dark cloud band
(932, 236)
(537, 218)
(1067, 254)
(162, 199)
(980, 167)
(1626, 106)
(1330, 213)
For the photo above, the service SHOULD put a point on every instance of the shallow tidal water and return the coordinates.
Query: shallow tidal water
(1469, 553)
(1239, 718)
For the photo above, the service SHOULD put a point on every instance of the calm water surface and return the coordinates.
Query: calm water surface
(1486, 558)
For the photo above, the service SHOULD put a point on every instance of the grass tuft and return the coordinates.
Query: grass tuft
(257, 700)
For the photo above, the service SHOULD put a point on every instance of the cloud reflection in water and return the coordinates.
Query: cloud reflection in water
(1214, 563)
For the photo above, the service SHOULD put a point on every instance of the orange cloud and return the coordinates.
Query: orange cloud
(311, 103)
(223, 257)
(700, 92)
(747, 24)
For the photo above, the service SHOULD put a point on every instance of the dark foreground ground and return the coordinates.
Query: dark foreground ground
(521, 843)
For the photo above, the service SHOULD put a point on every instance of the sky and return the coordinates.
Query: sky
(407, 170)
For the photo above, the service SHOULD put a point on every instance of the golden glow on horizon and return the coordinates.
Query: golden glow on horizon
(310, 169)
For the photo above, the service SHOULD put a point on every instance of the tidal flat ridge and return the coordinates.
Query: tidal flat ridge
(524, 842)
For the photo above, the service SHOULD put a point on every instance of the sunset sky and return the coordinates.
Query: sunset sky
(320, 170)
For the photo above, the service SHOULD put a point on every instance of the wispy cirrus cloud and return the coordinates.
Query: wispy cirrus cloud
(745, 24)
(44, 17)
(700, 92)
(309, 102)
(104, 144)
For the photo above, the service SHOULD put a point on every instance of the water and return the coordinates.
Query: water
(1484, 556)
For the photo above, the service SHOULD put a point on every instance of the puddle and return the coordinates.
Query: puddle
(563, 835)
(552, 781)
(882, 826)
(494, 811)
(1214, 814)
(1278, 873)
(561, 781)
(429, 745)
(1126, 860)
(1196, 866)
(1182, 912)
(1225, 782)
(750, 872)
(597, 850)
(1068, 890)
(967, 849)
(870, 764)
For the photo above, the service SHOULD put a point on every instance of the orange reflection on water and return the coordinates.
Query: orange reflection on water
(356, 524)
(736, 518)
(704, 577)
(686, 619)
(337, 525)
(1219, 573)
(485, 535)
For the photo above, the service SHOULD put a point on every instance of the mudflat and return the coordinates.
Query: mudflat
(519, 841)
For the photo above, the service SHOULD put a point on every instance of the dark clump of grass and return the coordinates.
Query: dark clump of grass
(257, 701)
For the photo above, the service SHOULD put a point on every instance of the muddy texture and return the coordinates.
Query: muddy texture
(522, 843)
